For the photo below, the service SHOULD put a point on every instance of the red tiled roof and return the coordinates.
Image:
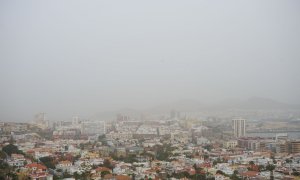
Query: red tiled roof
(108, 176)
(38, 166)
(250, 174)
(206, 164)
(122, 177)
(100, 169)
(254, 167)
(65, 162)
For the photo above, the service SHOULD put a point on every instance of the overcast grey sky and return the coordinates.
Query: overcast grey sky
(82, 57)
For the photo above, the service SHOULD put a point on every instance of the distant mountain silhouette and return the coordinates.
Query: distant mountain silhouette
(182, 105)
(251, 103)
(254, 103)
(112, 115)
(258, 103)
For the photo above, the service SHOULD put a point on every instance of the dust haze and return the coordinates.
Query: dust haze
(70, 58)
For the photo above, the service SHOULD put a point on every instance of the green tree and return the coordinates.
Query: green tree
(66, 175)
(288, 161)
(76, 175)
(163, 152)
(220, 172)
(208, 147)
(102, 139)
(130, 158)
(271, 167)
(235, 176)
(82, 146)
(251, 163)
(6, 172)
(11, 149)
(103, 173)
(261, 167)
(205, 156)
(3, 155)
(48, 161)
(133, 176)
(296, 173)
(107, 163)
(86, 175)
(215, 162)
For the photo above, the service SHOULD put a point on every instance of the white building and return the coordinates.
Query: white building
(220, 177)
(64, 165)
(239, 127)
(93, 127)
(202, 140)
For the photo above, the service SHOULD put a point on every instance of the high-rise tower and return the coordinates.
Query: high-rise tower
(239, 127)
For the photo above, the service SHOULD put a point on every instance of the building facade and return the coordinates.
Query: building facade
(93, 128)
(239, 127)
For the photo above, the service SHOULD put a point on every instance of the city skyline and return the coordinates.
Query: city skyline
(149, 90)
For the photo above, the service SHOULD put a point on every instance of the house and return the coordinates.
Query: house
(99, 170)
(220, 177)
(96, 161)
(249, 174)
(64, 165)
(41, 176)
(120, 151)
(35, 167)
(190, 170)
(38, 171)
(16, 160)
(135, 150)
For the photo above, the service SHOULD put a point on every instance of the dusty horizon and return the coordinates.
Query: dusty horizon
(82, 58)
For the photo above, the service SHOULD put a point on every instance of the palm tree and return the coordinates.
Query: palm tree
(133, 176)
(289, 161)
(270, 167)
(251, 163)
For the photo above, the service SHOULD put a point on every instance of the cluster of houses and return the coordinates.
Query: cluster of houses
(77, 157)
(152, 150)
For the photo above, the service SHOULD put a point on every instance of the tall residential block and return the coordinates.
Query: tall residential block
(239, 127)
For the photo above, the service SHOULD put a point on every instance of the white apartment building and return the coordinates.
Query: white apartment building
(239, 127)
(93, 127)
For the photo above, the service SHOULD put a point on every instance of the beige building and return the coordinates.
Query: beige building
(295, 146)
(230, 144)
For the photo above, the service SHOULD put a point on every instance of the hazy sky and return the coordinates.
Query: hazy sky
(83, 57)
